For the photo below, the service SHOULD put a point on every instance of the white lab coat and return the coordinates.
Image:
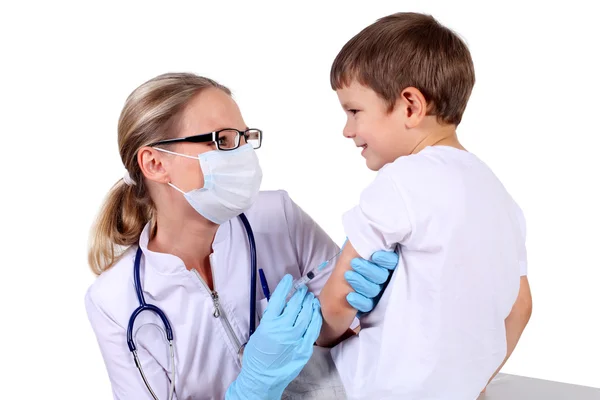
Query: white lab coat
(206, 348)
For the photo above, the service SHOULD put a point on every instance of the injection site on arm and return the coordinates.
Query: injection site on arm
(310, 275)
(338, 314)
(378, 223)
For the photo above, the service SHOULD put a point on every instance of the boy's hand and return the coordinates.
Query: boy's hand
(368, 279)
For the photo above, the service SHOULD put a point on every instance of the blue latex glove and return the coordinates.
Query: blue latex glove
(281, 345)
(369, 278)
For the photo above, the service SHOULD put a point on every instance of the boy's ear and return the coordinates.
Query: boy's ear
(414, 106)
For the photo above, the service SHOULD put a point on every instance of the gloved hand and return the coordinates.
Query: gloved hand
(368, 279)
(281, 345)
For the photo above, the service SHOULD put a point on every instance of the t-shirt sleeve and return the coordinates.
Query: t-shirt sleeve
(381, 219)
(522, 250)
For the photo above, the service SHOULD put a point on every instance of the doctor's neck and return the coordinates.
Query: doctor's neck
(190, 239)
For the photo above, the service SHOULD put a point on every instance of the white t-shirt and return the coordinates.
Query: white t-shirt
(438, 331)
(288, 241)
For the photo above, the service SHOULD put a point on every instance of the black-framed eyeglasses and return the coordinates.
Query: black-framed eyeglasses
(226, 139)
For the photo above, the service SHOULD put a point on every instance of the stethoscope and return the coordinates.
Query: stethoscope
(168, 330)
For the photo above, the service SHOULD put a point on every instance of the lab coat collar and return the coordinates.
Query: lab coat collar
(156, 267)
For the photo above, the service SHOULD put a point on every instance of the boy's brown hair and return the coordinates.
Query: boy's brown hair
(409, 50)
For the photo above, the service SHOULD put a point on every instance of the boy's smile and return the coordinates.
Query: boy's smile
(386, 134)
(373, 128)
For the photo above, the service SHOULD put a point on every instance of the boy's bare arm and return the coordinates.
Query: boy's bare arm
(338, 314)
(517, 320)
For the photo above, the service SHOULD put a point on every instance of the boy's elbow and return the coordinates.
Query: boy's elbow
(523, 307)
(527, 308)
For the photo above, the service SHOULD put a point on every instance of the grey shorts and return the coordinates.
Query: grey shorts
(318, 380)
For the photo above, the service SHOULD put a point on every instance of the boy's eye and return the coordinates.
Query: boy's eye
(353, 111)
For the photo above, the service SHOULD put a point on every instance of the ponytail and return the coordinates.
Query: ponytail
(118, 226)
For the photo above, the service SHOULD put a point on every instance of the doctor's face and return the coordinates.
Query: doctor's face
(210, 110)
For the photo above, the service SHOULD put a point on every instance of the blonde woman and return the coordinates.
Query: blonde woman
(177, 245)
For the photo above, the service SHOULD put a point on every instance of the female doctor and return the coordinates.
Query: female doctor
(171, 306)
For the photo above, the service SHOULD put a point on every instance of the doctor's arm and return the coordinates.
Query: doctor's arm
(124, 377)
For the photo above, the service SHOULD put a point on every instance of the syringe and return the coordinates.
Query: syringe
(310, 275)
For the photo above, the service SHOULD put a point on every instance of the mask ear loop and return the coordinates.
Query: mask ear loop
(176, 154)
(176, 188)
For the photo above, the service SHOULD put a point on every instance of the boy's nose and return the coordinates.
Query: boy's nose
(348, 132)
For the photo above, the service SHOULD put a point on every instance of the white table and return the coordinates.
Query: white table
(514, 387)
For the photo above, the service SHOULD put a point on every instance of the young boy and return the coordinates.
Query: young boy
(444, 325)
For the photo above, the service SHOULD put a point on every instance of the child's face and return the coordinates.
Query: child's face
(381, 134)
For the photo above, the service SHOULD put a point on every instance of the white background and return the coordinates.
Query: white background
(66, 70)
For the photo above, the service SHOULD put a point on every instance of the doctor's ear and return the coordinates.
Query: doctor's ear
(152, 164)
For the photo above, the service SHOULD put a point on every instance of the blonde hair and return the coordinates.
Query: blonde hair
(150, 114)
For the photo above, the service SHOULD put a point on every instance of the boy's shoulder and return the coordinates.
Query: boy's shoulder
(433, 156)
(429, 165)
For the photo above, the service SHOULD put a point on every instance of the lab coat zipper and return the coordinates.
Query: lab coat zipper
(219, 312)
